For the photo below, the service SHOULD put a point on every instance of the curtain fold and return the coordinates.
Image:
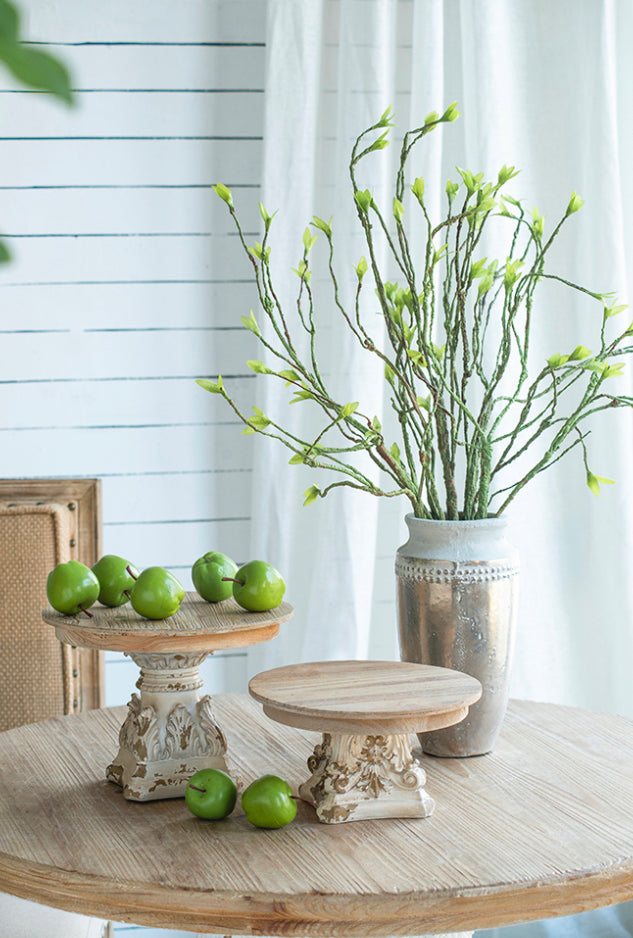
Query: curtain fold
(542, 86)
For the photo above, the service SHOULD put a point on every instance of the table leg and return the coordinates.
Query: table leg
(366, 776)
(169, 732)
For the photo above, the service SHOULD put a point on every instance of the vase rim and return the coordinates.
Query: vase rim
(490, 521)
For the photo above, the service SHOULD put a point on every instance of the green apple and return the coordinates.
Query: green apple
(211, 794)
(157, 593)
(116, 578)
(258, 586)
(208, 574)
(72, 587)
(269, 802)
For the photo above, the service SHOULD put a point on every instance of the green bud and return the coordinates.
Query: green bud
(556, 361)
(579, 353)
(310, 495)
(259, 367)
(505, 174)
(210, 386)
(575, 204)
(385, 118)
(538, 226)
(594, 482)
(418, 189)
(326, 227)
(224, 193)
(452, 188)
(361, 268)
(250, 323)
(309, 239)
(451, 113)
(348, 409)
(363, 200)
(431, 118)
(398, 209)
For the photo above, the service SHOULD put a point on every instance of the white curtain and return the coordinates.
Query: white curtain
(547, 86)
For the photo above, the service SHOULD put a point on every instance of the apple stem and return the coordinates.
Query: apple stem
(89, 614)
(127, 593)
(195, 788)
(231, 579)
(306, 800)
(130, 572)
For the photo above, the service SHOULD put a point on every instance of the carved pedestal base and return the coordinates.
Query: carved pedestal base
(358, 777)
(169, 732)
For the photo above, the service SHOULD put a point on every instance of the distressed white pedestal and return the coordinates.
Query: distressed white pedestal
(170, 731)
(366, 710)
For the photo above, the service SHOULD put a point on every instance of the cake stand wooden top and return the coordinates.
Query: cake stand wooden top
(197, 626)
(365, 696)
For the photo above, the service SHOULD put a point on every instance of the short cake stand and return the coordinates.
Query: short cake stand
(366, 711)
(170, 731)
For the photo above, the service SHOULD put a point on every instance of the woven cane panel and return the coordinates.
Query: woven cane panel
(35, 669)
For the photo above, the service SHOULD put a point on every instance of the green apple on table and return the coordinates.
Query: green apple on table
(211, 794)
(210, 574)
(258, 586)
(116, 578)
(157, 593)
(72, 587)
(269, 802)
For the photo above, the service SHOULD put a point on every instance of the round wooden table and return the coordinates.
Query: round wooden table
(541, 827)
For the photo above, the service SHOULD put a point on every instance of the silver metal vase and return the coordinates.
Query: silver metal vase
(457, 585)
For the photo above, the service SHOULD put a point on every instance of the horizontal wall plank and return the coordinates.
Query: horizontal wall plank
(141, 256)
(112, 355)
(141, 112)
(121, 305)
(175, 545)
(192, 495)
(52, 452)
(89, 211)
(160, 21)
(173, 67)
(124, 403)
(129, 161)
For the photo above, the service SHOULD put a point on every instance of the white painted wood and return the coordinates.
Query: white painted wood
(126, 281)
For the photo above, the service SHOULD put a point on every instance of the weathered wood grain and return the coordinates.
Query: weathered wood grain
(365, 696)
(542, 827)
(198, 625)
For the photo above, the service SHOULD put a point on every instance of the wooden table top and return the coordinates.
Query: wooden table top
(541, 827)
(197, 626)
(365, 696)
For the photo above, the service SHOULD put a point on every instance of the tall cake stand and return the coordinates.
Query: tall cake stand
(169, 732)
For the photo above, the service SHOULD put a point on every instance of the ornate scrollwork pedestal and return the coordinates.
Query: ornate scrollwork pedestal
(169, 732)
(356, 777)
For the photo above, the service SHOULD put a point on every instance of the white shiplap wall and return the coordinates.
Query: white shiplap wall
(125, 285)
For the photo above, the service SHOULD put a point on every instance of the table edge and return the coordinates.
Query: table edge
(323, 915)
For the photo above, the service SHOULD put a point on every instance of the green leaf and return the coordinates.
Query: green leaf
(389, 375)
(424, 402)
(381, 142)
(579, 353)
(594, 365)
(247, 430)
(9, 22)
(505, 174)
(302, 396)
(575, 204)
(451, 113)
(418, 189)
(258, 252)
(512, 271)
(376, 424)
(398, 209)
(37, 69)
(613, 371)
(290, 375)
(212, 387)
(258, 420)
(309, 239)
(310, 495)
(361, 268)
(431, 118)
(538, 226)
(250, 323)
(303, 272)
(614, 310)
(395, 452)
(267, 219)
(363, 200)
(348, 409)
(556, 361)
(486, 282)
(471, 181)
(385, 118)
(452, 188)
(297, 459)
(224, 193)
(594, 482)
(438, 350)
(259, 368)
(326, 227)
(415, 355)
